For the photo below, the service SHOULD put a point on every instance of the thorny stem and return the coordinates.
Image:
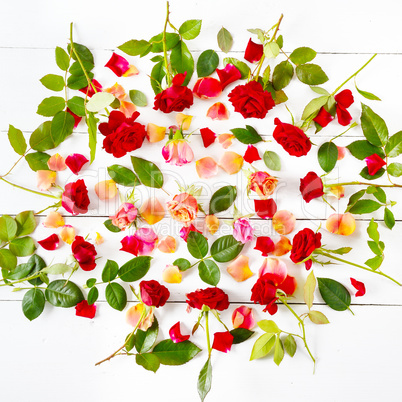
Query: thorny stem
(15, 164)
(27, 189)
(165, 58)
(325, 254)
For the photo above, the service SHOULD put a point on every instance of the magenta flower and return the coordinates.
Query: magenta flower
(177, 152)
(242, 230)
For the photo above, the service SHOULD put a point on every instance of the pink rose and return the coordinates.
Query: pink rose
(242, 230)
(124, 216)
(147, 240)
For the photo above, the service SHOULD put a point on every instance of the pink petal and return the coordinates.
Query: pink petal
(275, 268)
(207, 87)
(239, 269)
(225, 140)
(222, 341)
(53, 220)
(46, 179)
(265, 245)
(208, 137)
(243, 317)
(127, 108)
(176, 335)
(130, 244)
(106, 190)
(185, 230)
(147, 240)
(228, 75)
(167, 244)
(83, 309)
(118, 64)
(251, 155)
(218, 111)
(50, 243)
(361, 289)
(231, 162)
(206, 167)
(75, 162)
(117, 91)
(56, 163)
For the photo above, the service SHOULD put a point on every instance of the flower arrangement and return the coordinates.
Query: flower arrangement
(201, 222)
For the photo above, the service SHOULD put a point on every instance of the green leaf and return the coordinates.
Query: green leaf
(246, 135)
(311, 74)
(135, 269)
(302, 55)
(77, 105)
(269, 326)
(92, 122)
(197, 245)
(389, 218)
(8, 260)
(22, 246)
(148, 173)
(366, 175)
(57, 269)
(41, 139)
(241, 66)
(91, 282)
(372, 231)
(225, 40)
(99, 101)
(62, 293)
(62, 126)
(374, 247)
(157, 74)
(53, 82)
(20, 271)
(378, 193)
(172, 39)
(123, 176)
(138, 98)
(182, 61)
(62, 59)
(110, 271)
(342, 250)
(50, 106)
(393, 147)
(76, 68)
(182, 264)
(262, 346)
(309, 289)
(278, 352)
(78, 81)
(395, 169)
(136, 47)
(334, 294)
(109, 226)
(26, 223)
(209, 272)
(222, 199)
(354, 198)
(283, 74)
(8, 228)
(367, 95)
(320, 91)
(37, 161)
(317, 317)
(375, 262)
(33, 303)
(39, 264)
(207, 63)
(279, 41)
(130, 341)
(327, 156)
(149, 361)
(190, 29)
(17, 140)
(116, 296)
(272, 161)
(205, 380)
(314, 106)
(93, 295)
(240, 335)
(374, 127)
(364, 207)
(83, 52)
(290, 345)
(144, 340)
(226, 249)
(271, 50)
(175, 354)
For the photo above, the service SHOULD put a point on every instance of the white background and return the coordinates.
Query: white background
(52, 358)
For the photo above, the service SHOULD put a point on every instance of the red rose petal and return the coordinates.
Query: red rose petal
(185, 230)
(83, 309)
(207, 87)
(361, 289)
(374, 164)
(50, 243)
(130, 244)
(208, 136)
(118, 64)
(222, 341)
(265, 245)
(265, 208)
(176, 335)
(344, 117)
(251, 155)
(344, 98)
(254, 51)
(89, 91)
(75, 162)
(228, 75)
(323, 117)
(179, 79)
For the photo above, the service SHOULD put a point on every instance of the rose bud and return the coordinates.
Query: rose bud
(183, 208)
(242, 230)
(262, 183)
(124, 216)
(75, 198)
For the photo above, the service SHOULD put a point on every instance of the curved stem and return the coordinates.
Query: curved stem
(325, 254)
(27, 189)
(15, 164)
(362, 183)
(165, 58)
(57, 205)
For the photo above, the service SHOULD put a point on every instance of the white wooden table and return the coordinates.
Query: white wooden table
(52, 358)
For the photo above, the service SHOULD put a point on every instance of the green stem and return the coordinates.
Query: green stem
(325, 254)
(28, 278)
(27, 189)
(354, 124)
(207, 332)
(353, 75)
(361, 183)
(165, 58)
(15, 164)
(57, 205)
(301, 323)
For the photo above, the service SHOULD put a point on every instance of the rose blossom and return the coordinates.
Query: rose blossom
(214, 298)
(304, 243)
(262, 183)
(84, 252)
(124, 216)
(242, 230)
(250, 100)
(75, 198)
(177, 152)
(293, 140)
(311, 186)
(153, 293)
(122, 134)
(183, 208)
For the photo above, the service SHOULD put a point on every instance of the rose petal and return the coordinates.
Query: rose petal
(176, 335)
(265, 208)
(50, 243)
(228, 75)
(282, 247)
(361, 289)
(207, 87)
(323, 117)
(283, 222)
(265, 245)
(167, 244)
(77, 119)
(344, 98)
(89, 91)
(185, 230)
(53, 220)
(251, 155)
(208, 137)
(56, 163)
(218, 111)
(254, 51)
(117, 91)
(67, 234)
(155, 133)
(344, 117)
(171, 274)
(75, 162)
(132, 70)
(152, 211)
(183, 120)
(243, 317)
(231, 162)
(130, 244)
(222, 341)
(374, 164)
(46, 179)
(134, 314)
(179, 79)
(148, 240)
(106, 190)
(98, 239)
(239, 269)
(83, 309)
(118, 64)
(343, 224)
(127, 108)
(212, 223)
(337, 191)
(206, 167)
(275, 268)
(226, 140)
(341, 153)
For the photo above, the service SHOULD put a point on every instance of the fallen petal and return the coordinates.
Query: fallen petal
(207, 87)
(206, 167)
(117, 91)
(99, 239)
(118, 64)
(127, 108)
(106, 190)
(171, 274)
(134, 314)
(239, 269)
(130, 244)
(208, 137)
(155, 133)
(282, 247)
(222, 341)
(83, 309)
(46, 179)
(265, 208)
(341, 153)
(176, 335)
(374, 164)
(152, 211)
(275, 268)
(254, 51)
(218, 111)
(265, 245)
(361, 289)
(183, 120)
(75, 162)
(251, 155)
(50, 243)
(53, 220)
(343, 224)
(56, 163)
(228, 75)
(167, 244)
(212, 223)
(132, 70)
(226, 140)
(67, 234)
(283, 222)
(243, 317)
(231, 162)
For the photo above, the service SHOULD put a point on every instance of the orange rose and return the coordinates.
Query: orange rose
(183, 208)
(262, 183)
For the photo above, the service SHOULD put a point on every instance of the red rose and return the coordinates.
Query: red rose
(311, 186)
(293, 140)
(304, 243)
(251, 100)
(175, 98)
(84, 253)
(214, 298)
(153, 293)
(122, 134)
(75, 198)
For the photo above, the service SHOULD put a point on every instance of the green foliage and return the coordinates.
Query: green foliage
(262, 346)
(226, 249)
(205, 380)
(37, 161)
(272, 161)
(197, 245)
(311, 74)
(327, 156)
(283, 74)
(240, 65)
(222, 199)
(374, 127)
(148, 173)
(182, 263)
(123, 176)
(109, 226)
(53, 82)
(116, 296)
(138, 98)
(209, 272)
(110, 271)
(302, 55)
(93, 295)
(190, 29)
(62, 59)
(175, 354)
(207, 63)
(17, 140)
(145, 340)
(240, 335)
(62, 293)
(225, 40)
(334, 294)
(182, 61)
(135, 269)
(136, 47)
(50, 106)
(33, 303)
(247, 135)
